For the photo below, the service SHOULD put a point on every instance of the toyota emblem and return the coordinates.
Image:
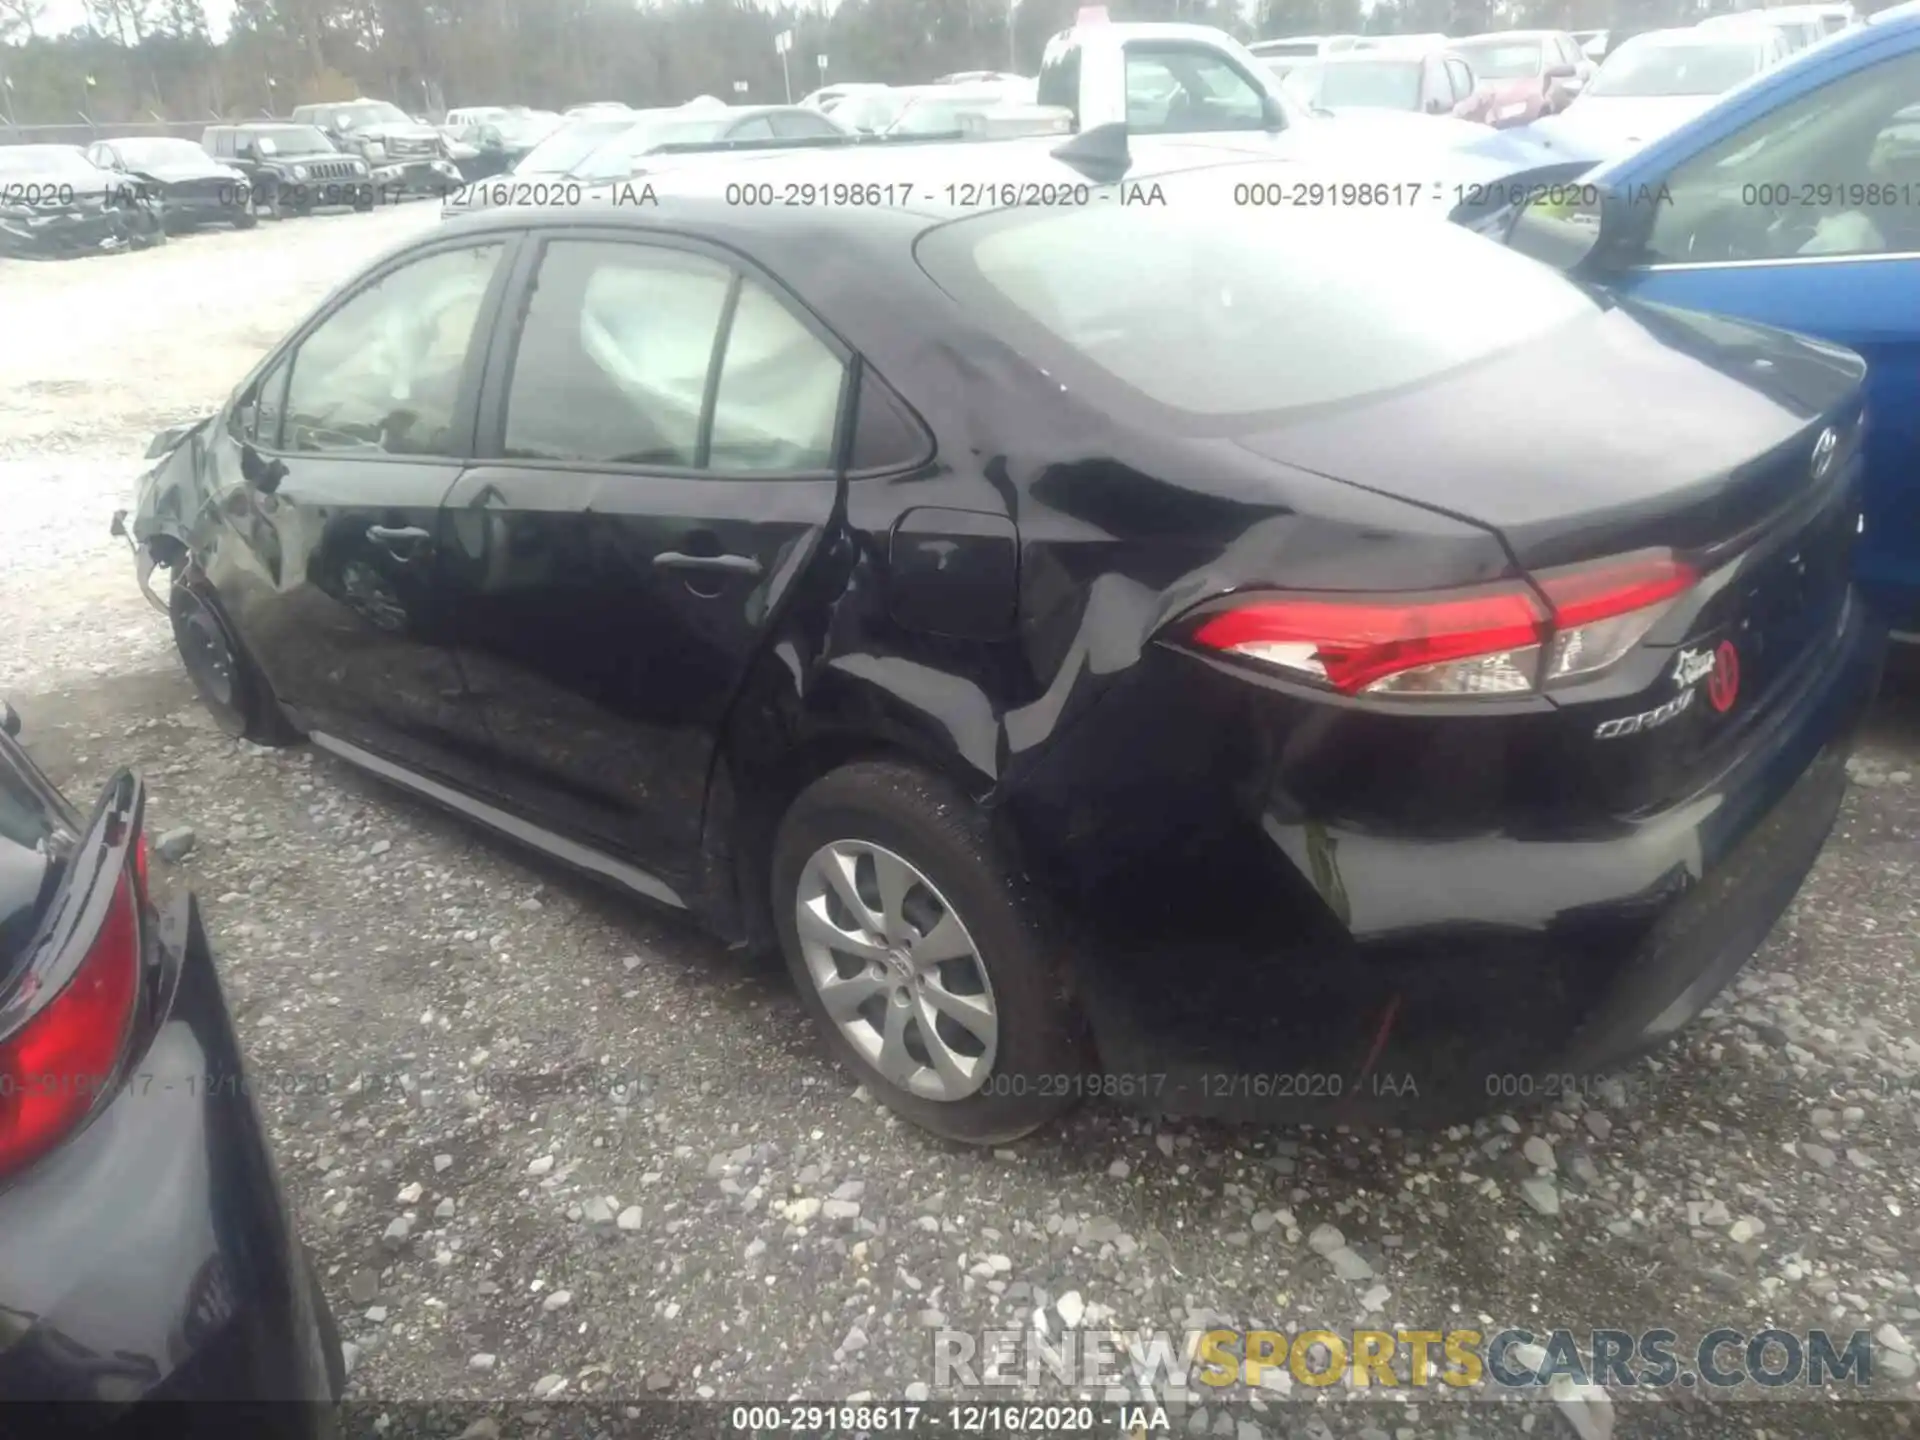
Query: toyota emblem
(1823, 452)
(1723, 685)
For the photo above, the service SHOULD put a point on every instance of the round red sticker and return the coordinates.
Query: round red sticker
(1723, 685)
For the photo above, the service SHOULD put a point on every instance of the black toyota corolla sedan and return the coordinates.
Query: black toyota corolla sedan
(146, 1255)
(1257, 661)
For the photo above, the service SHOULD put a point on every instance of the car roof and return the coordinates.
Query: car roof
(1693, 35)
(1401, 55)
(25, 149)
(1506, 35)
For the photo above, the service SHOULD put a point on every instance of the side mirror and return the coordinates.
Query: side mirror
(262, 474)
(1437, 106)
(9, 720)
(166, 441)
(1579, 235)
(1561, 72)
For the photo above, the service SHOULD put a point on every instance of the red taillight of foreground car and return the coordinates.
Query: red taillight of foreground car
(1503, 639)
(56, 1066)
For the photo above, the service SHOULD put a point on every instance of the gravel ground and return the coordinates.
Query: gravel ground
(543, 1141)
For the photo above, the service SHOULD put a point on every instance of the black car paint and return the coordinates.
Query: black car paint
(150, 1257)
(1266, 878)
(86, 214)
(186, 192)
(274, 180)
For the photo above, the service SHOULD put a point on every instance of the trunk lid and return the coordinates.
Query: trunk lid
(1745, 466)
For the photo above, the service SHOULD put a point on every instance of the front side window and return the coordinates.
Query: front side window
(1462, 79)
(382, 373)
(1384, 84)
(1185, 314)
(1833, 173)
(1172, 90)
(614, 360)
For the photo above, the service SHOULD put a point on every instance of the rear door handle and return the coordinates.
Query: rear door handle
(730, 564)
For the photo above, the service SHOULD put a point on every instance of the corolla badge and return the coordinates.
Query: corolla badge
(1645, 720)
(1824, 450)
(1691, 666)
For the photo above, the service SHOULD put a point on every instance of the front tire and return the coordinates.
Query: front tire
(923, 957)
(232, 688)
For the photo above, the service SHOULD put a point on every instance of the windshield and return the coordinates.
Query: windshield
(871, 110)
(569, 145)
(1307, 48)
(289, 140)
(1363, 84)
(940, 114)
(1171, 308)
(43, 160)
(616, 158)
(1503, 59)
(368, 112)
(524, 131)
(1676, 69)
(158, 150)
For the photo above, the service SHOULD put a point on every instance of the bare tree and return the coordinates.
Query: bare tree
(19, 19)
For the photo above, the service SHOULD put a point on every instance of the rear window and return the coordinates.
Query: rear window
(1208, 311)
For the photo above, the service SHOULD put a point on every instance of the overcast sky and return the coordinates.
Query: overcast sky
(61, 16)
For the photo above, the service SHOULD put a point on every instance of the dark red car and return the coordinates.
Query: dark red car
(1525, 74)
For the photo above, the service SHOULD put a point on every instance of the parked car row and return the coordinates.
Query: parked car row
(132, 191)
(1647, 81)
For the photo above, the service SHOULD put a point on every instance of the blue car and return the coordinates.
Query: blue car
(1795, 202)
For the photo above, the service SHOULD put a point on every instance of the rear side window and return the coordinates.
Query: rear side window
(616, 364)
(885, 435)
(1206, 311)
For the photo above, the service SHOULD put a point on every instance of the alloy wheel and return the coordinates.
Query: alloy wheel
(206, 653)
(896, 970)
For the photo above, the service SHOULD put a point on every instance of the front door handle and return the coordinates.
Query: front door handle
(730, 564)
(399, 541)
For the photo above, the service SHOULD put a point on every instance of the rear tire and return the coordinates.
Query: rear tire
(231, 686)
(963, 936)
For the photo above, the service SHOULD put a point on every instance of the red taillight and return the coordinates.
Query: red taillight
(1582, 594)
(1367, 642)
(56, 1066)
(1484, 641)
(1600, 612)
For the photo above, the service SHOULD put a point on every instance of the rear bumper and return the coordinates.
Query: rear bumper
(1257, 962)
(151, 1258)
